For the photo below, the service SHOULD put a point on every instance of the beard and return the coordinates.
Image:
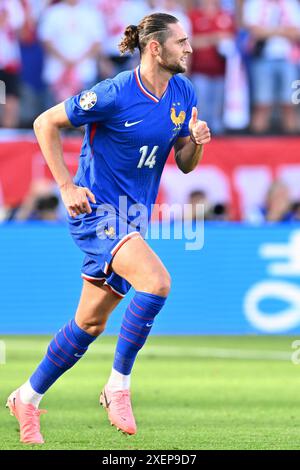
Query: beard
(170, 66)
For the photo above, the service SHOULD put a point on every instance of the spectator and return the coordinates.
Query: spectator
(72, 33)
(274, 27)
(199, 205)
(277, 206)
(41, 203)
(11, 21)
(212, 33)
(32, 85)
(117, 15)
(172, 7)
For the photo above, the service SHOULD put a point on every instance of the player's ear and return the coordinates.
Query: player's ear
(154, 47)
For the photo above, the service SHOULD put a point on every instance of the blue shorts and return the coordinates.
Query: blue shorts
(100, 238)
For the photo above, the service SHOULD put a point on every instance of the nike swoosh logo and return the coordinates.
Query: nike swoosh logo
(129, 124)
(78, 355)
(149, 324)
(107, 403)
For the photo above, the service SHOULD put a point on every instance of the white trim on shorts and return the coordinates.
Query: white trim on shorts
(106, 265)
(91, 278)
(123, 240)
(119, 294)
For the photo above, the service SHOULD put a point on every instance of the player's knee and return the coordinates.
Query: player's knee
(161, 284)
(93, 328)
(97, 330)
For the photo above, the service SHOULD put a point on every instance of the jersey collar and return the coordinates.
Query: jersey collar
(142, 87)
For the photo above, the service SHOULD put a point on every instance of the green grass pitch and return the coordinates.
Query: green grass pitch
(188, 393)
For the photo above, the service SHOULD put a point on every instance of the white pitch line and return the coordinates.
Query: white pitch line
(219, 353)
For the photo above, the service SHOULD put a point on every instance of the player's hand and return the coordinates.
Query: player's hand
(199, 131)
(76, 199)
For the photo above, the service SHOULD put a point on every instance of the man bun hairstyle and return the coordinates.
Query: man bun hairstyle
(155, 26)
(130, 41)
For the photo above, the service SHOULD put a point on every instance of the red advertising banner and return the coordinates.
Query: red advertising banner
(235, 171)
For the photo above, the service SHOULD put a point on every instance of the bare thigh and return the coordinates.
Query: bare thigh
(141, 267)
(95, 305)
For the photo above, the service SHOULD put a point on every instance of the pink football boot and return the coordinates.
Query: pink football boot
(118, 407)
(28, 417)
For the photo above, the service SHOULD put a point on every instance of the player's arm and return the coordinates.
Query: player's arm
(47, 130)
(189, 150)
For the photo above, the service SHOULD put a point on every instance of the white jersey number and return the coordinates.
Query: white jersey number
(150, 160)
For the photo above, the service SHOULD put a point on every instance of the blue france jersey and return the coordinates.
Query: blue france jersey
(129, 135)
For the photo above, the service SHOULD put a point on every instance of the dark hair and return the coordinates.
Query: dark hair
(153, 26)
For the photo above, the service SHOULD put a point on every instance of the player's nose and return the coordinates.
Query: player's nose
(189, 49)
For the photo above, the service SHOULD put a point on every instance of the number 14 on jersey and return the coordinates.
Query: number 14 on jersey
(147, 160)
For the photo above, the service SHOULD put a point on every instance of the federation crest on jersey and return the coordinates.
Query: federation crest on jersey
(88, 100)
(178, 118)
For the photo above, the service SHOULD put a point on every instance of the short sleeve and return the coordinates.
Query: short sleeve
(192, 102)
(96, 104)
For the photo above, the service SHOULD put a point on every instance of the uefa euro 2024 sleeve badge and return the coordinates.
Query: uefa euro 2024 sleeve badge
(88, 100)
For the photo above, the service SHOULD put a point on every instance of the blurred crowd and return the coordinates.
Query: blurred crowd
(43, 203)
(245, 64)
(278, 206)
(245, 69)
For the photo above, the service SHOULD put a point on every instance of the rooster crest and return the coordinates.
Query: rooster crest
(177, 120)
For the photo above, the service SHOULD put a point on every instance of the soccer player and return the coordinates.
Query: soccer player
(132, 122)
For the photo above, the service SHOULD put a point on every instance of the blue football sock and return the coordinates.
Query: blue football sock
(135, 328)
(66, 348)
